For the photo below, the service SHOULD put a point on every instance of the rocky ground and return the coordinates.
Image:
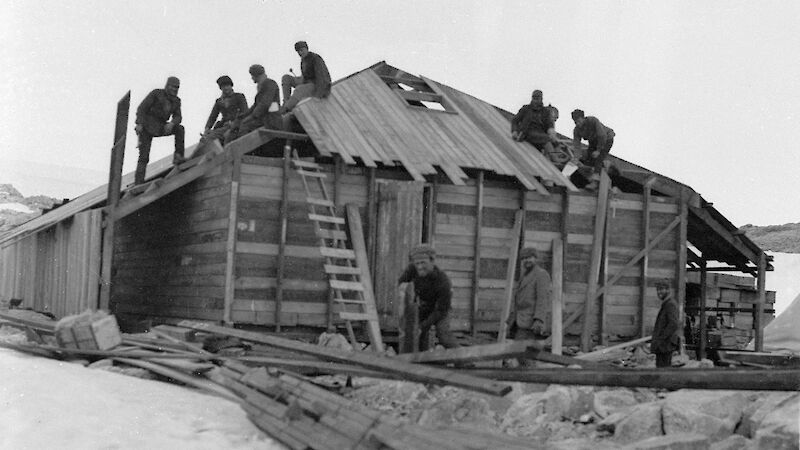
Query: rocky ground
(570, 417)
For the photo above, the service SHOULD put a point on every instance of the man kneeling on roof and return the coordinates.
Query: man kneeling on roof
(535, 123)
(230, 105)
(601, 139)
(434, 293)
(264, 112)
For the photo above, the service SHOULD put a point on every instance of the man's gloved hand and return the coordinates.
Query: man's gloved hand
(138, 128)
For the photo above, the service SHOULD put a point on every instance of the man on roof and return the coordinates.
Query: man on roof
(264, 112)
(433, 292)
(153, 120)
(601, 139)
(230, 105)
(315, 80)
(535, 123)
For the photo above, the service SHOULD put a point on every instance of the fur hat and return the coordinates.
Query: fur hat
(300, 44)
(257, 69)
(173, 81)
(527, 252)
(422, 250)
(577, 114)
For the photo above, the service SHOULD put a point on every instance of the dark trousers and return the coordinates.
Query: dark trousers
(443, 334)
(146, 140)
(664, 359)
(597, 162)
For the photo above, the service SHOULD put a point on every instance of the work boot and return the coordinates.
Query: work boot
(178, 159)
(138, 177)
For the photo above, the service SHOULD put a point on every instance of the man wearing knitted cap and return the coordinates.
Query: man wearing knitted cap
(230, 105)
(264, 112)
(601, 139)
(433, 292)
(153, 120)
(315, 80)
(535, 123)
(530, 314)
(665, 332)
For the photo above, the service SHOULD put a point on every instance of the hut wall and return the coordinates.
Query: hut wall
(456, 209)
(169, 257)
(57, 269)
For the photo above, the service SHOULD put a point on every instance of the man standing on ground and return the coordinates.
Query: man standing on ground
(264, 112)
(600, 137)
(314, 82)
(530, 316)
(230, 105)
(535, 123)
(153, 120)
(665, 332)
(434, 293)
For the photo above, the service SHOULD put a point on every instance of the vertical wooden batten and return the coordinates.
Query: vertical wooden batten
(680, 293)
(558, 284)
(372, 217)
(287, 158)
(114, 189)
(230, 244)
(646, 258)
(477, 245)
(594, 266)
(603, 333)
(516, 233)
(759, 306)
(701, 346)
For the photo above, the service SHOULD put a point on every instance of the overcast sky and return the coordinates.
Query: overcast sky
(703, 92)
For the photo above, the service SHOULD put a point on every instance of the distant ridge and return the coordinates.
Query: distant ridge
(775, 238)
(13, 205)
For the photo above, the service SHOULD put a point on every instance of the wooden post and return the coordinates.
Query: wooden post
(680, 293)
(477, 245)
(594, 267)
(287, 159)
(701, 346)
(360, 249)
(558, 288)
(230, 246)
(510, 272)
(372, 217)
(646, 257)
(114, 189)
(759, 319)
(338, 167)
(604, 286)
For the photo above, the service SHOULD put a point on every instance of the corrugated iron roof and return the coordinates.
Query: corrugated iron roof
(365, 118)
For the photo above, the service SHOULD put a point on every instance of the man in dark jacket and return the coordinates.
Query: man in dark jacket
(230, 105)
(264, 112)
(601, 139)
(314, 82)
(153, 120)
(535, 123)
(434, 293)
(530, 314)
(665, 332)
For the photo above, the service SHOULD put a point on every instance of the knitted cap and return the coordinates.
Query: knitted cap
(257, 69)
(527, 252)
(173, 81)
(537, 93)
(300, 44)
(224, 81)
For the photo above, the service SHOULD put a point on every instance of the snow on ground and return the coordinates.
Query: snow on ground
(45, 403)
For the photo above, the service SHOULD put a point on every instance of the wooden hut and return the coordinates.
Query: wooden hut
(230, 240)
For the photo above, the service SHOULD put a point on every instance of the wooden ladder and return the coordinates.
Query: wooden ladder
(344, 266)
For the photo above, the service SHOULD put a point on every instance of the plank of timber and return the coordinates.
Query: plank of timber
(680, 264)
(342, 270)
(325, 233)
(599, 354)
(199, 383)
(230, 244)
(662, 378)
(759, 306)
(646, 258)
(723, 233)
(284, 218)
(320, 202)
(557, 332)
(594, 265)
(487, 352)
(341, 253)
(412, 372)
(327, 219)
(347, 285)
(354, 316)
(306, 164)
(309, 173)
(477, 258)
(510, 273)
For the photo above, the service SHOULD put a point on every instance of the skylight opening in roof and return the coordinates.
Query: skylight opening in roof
(419, 94)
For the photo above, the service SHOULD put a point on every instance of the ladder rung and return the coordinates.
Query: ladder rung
(343, 253)
(320, 202)
(307, 173)
(347, 285)
(306, 164)
(325, 233)
(355, 316)
(328, 219)
(348, 301)
(342, 270)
